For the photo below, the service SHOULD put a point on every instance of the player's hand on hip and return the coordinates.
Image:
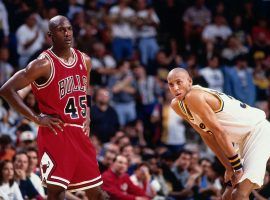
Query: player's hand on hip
(50, 122)
(237, 175)
(86, 126)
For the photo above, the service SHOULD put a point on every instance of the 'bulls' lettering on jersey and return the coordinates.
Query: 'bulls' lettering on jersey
(69, 85)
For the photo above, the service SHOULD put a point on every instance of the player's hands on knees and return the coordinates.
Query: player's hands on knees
(228, 174)
(237, 175)
(51, 122)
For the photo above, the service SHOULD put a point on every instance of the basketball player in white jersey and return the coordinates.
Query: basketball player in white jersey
(223, 121)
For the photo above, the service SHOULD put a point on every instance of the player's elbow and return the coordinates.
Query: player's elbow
(4, 91)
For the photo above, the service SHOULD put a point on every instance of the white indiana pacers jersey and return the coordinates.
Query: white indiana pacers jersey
(237, 117)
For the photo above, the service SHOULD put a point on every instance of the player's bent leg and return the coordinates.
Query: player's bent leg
(227, 194)
(96, 193)
(242, 190)
(55, 192)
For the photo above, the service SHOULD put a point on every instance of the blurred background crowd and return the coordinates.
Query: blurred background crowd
(144, 150)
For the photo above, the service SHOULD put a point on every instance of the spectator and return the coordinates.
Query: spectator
(103, 65)
(118, 184)
(147, 23)
(123, 18)
(239, 81)
(234, 48)
(106, 161)
(217, 32)
(4, 28)
(32, 154)
(173, 132)
(9, 189)
(213, 74)
(6, 70)
(27, 188)
(195, 19)
(123, 88)
(181, 165)
(30, 39)
(142, 178)
(6, 150)
(103, 116)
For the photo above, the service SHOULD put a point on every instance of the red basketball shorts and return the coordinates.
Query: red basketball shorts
(68, 159)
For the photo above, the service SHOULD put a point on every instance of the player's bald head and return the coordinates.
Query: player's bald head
(56, 21)
(178, 72)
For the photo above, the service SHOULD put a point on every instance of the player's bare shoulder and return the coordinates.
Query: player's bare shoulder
(39, 68)
(194, 95)
(87, 60)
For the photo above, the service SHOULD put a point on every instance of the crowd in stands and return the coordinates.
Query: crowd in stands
(145, 151)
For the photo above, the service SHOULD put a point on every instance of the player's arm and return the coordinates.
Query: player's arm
(196, 101)
(36, 70)
(88, 94)
(208, 139)
(9, 91)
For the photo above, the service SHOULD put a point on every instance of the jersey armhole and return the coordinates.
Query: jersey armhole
(52, 73)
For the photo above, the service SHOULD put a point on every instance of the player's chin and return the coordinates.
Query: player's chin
(179, 97)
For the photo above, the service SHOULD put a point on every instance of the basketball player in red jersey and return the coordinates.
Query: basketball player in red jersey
(60, 78)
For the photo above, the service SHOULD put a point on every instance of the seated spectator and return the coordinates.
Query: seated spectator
(117, 183)
(142, 178)
(9, 189)
(27, 187)
(106, 161)
(32, 154)
(6, 150)
(26, 140)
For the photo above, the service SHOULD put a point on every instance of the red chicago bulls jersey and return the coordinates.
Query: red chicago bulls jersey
(64, 93)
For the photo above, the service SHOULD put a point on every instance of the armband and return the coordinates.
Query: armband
(235, 162)
(89, 99)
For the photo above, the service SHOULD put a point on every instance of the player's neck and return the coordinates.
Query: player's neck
(64, 53)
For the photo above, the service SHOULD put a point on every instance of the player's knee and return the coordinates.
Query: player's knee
(239, 194)
(55, 192)
(227, 195)
(97, 194)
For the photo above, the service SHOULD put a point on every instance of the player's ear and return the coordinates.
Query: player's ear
(49, 34)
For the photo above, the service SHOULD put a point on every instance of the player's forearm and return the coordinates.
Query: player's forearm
(211, 142)
(213, 145)
(225, 143)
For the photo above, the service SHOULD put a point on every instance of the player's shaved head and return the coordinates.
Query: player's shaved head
(56, 21)
(178, 72)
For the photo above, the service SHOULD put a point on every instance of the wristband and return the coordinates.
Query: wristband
(89, 99)
(235, 162)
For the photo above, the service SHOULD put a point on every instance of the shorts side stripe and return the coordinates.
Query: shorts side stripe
(85, 187)
(56, 183)
(85, 182)
(61, 179)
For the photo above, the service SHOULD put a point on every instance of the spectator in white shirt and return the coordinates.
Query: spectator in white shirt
(9, 189)
(30, 39)
(213, 74)
(216, 31)
(123, 33)
(4, 26)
